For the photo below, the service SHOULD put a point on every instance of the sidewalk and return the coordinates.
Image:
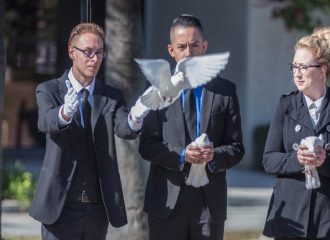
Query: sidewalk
(248, 197)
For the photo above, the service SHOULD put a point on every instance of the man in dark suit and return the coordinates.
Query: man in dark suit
(177, 210)
(79, 190)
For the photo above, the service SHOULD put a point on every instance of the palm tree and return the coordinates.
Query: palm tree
(2, 89)
(123, 27)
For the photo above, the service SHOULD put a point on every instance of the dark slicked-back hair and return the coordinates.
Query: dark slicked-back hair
(186, 20)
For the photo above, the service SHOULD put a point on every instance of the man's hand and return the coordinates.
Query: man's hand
(199, 155)
(207, 152)
(70, 102)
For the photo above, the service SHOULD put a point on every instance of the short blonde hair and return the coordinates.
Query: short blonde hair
(86, 28)
(319, 43)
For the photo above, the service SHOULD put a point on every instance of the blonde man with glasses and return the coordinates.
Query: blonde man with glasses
(79, 190)
(299, 210)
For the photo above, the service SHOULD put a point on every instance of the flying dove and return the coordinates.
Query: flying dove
(189, 73)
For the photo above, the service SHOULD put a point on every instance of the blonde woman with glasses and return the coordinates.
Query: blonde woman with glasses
(299, 210)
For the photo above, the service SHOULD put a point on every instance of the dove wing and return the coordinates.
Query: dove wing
(202, 69)
(155, 70)
(151, 99)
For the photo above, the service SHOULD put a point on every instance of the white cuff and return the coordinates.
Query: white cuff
(134, 125)
(61, 121)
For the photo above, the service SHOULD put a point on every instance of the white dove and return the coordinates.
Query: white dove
(189, 73)
(312, 179)
(197, 175)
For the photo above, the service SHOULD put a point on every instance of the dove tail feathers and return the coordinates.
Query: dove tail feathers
(151, 100)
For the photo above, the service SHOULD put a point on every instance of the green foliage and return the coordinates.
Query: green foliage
(19, 185)
(299, 14)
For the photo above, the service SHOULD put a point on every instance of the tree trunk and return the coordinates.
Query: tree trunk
(124, 42)
(2, 91)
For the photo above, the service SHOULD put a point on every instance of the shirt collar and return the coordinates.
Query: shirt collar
(78, 87)
(317, 103)
(197, 91)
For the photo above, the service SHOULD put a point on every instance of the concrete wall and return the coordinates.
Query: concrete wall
(269, 50)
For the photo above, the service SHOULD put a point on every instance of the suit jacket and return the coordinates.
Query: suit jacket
(163, 139)
(109, 117)
(292, 207)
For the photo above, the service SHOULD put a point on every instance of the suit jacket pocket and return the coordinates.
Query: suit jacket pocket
(217, 115)
(217, 122)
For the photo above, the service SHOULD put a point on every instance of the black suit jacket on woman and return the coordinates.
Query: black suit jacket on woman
(109, 117)
(292, 207)
(163, 139)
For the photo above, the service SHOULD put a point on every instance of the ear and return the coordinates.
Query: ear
(324, 69)
(205, 45)
(170, 50)
(71, 52)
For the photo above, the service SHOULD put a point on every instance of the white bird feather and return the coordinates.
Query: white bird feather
(189, 73)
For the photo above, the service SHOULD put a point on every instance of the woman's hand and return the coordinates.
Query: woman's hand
(313, 159)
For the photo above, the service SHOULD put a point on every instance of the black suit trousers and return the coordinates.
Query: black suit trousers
(78, 221)
(190, 217)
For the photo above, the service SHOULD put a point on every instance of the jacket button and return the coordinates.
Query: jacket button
(297, 128)
(328, 128)
(327, 147)
(295, 146)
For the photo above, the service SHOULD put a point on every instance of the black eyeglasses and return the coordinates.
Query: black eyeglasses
(302, 68)
(90, 54)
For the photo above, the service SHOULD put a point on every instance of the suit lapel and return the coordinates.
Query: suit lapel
(99, 100)
(176, 111)
(207, 100)
(301, 113)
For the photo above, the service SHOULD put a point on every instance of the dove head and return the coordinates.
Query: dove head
(203, 136)
(202, 140)
(177, 79)
(312, 142)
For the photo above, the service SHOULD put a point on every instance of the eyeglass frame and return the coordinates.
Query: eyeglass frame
(302, 68)
(92, 54)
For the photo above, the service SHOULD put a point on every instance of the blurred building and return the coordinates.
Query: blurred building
(36, 33)
(260, 46)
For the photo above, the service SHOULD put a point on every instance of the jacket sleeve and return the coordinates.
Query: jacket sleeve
(275, 159)
(231, 151)
(122, 128)
(152, 147)
(48, 110)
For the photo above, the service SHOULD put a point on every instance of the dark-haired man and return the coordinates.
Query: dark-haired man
(178, 210)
